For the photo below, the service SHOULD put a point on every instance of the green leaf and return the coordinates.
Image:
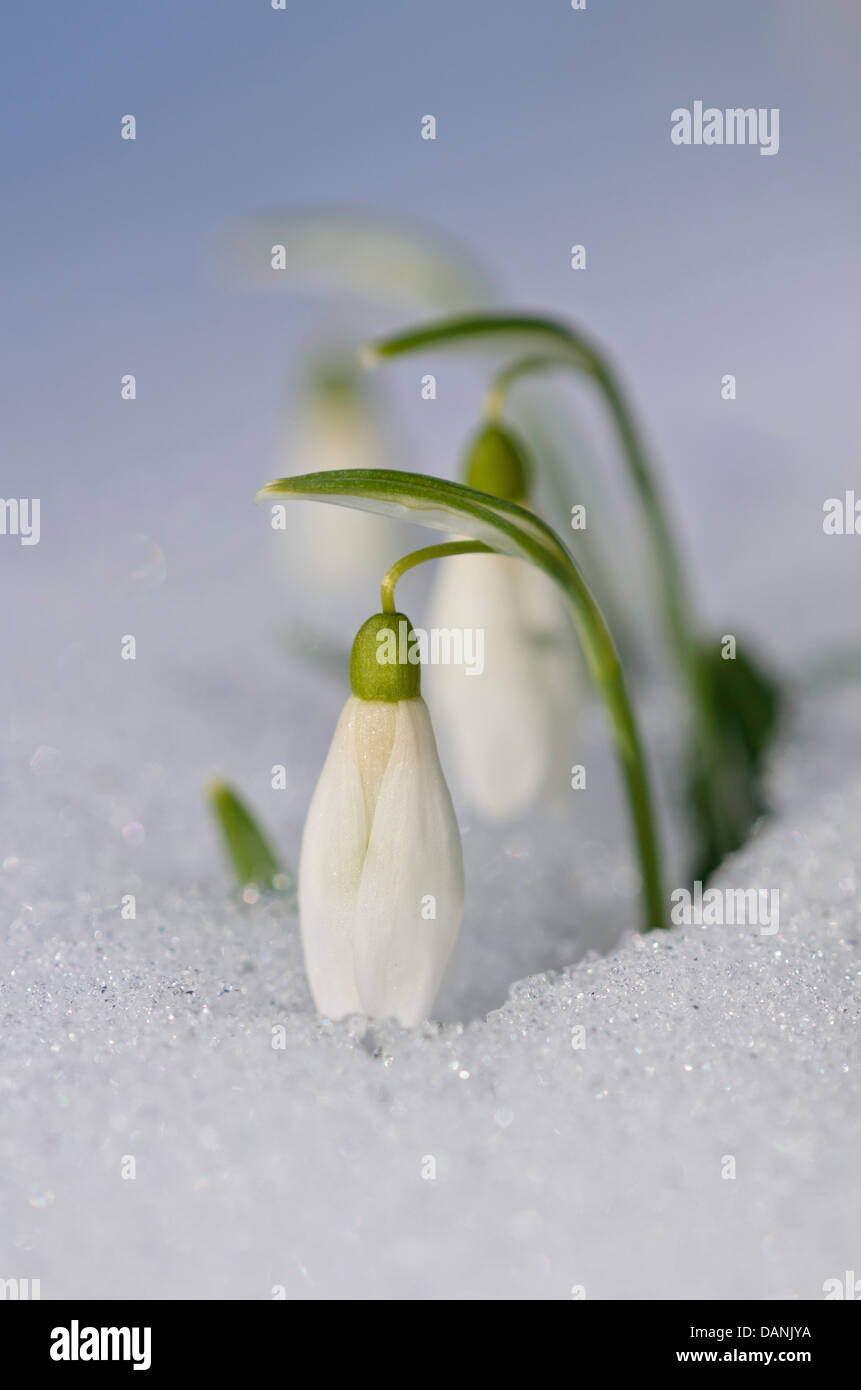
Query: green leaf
(432, 502)
(747, 704)
(252, 857)
(510, 529)
(733, 718)
(539, 340)
(536, 343)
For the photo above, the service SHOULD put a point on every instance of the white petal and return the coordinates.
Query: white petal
(504, 725)
(373, 723)
(330, 870)
(414, 855)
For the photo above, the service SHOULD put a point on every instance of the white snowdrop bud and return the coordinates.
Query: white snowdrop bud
(380, 838)
(507, 730)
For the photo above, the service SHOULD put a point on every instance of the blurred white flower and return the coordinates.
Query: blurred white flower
(509, 729)
(381, 869)
(335, 425)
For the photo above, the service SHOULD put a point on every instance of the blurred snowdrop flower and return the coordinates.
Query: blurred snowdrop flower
(335, 426)
(381, 870)
(508, 729)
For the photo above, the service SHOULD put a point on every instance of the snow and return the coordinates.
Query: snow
(307, 1167)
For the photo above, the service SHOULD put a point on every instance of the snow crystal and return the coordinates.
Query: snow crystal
(567, 1128)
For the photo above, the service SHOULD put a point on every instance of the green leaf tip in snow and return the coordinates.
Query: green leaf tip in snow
(252, 858)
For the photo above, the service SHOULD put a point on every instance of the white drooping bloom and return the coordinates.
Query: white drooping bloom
(335, 425)
(508, 730)
(381, 870)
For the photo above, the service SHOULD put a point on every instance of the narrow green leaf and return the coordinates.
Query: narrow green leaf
(252, 857)
(748, 701)
(732, 723)
(536, 342)
(539, 339)
(747, 706)
(510, 529)
(432, 502)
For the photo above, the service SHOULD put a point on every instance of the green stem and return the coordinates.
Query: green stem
(606, 668)
(494, 401)
(525, 534)
(547, 343)
(418, 557)
(541, 344)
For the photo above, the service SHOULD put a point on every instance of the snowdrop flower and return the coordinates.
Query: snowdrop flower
(508, 728)
(381, 870)
(335, 426)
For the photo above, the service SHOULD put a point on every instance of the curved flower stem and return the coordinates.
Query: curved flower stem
(418, 557)
(544, 343)
(516, 531)
(494, 400)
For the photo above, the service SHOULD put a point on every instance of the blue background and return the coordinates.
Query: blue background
(553, 128)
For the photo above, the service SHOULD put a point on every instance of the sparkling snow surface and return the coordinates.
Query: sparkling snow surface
(306, 1166)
